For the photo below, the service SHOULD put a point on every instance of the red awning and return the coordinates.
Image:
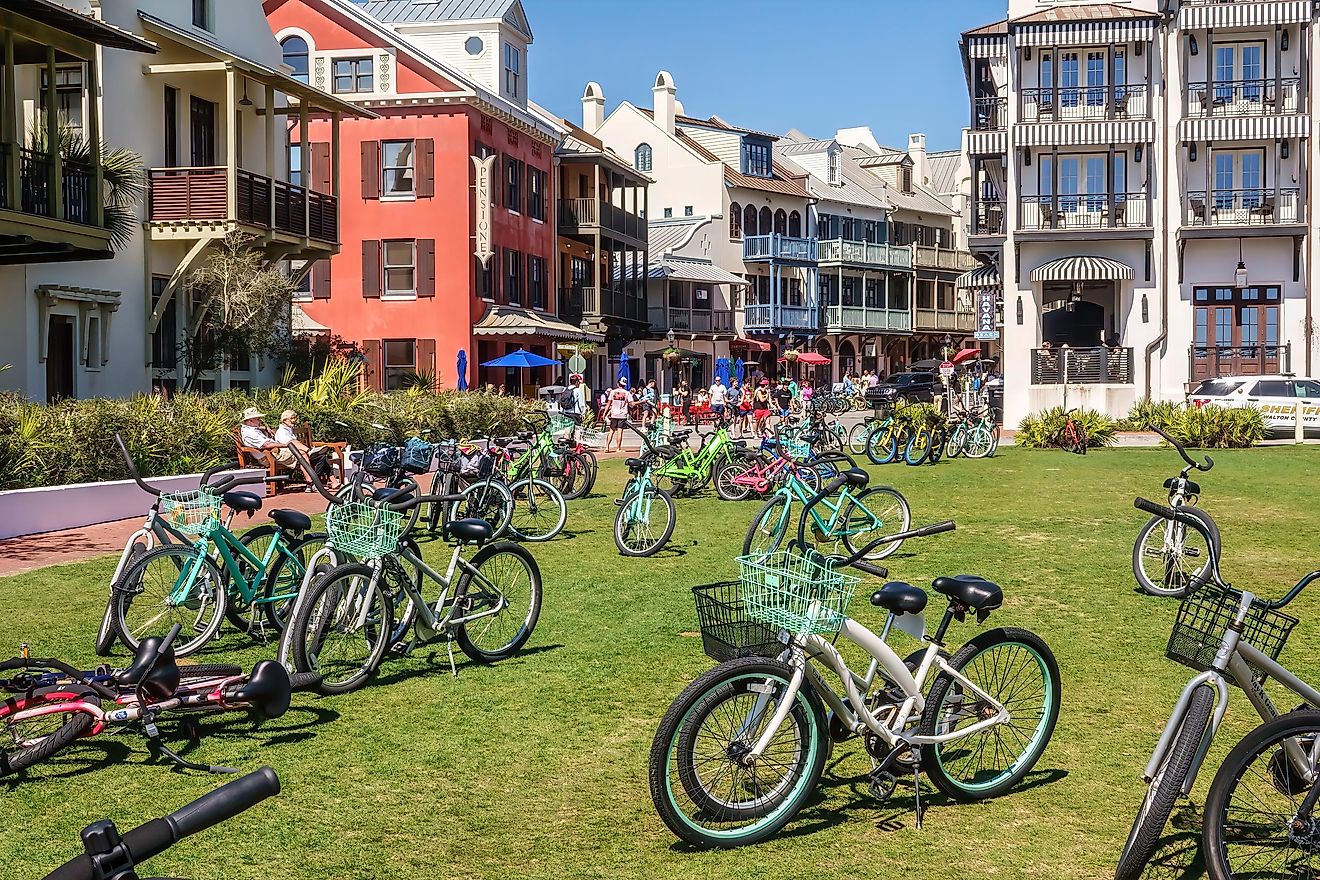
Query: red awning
(810, 358)
(744, 342)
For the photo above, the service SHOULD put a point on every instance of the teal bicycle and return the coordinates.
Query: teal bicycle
(850, 518)
(646, 517)
(196, 585)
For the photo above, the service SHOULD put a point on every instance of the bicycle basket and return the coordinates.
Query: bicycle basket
(793, 592)
(560, 423)
(364, 530)
(193, 513)
(726, 630)
(1205, 615)
(380, 459)
(475, 465)
(591, 438)
(417, 455)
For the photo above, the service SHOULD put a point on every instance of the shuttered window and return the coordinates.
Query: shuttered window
(371, 169)
(426, 267)
(425, 167)
(371, 269)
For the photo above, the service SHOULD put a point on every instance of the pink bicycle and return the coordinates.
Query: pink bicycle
(769, 468)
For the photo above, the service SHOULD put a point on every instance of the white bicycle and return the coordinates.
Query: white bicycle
(1167, 555)
(741, 749)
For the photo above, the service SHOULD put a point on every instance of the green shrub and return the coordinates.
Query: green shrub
(1039, 431)
(1146, 412)
(1217, 427)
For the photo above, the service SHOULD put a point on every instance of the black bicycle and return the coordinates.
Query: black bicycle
(1167, 555)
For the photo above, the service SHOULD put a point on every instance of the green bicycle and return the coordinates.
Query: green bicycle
(188, 585)
(972, 433)
(689, 470)
(558, 459)
(646, 517)
(853, 520)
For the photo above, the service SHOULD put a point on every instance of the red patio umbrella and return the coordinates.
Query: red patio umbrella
(810, 358)
(966, 354)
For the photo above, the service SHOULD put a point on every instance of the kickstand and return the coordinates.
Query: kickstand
(453, 668)
(158, 748)
(916, 792)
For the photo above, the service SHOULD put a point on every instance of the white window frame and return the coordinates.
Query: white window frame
(512, 71)
(386, 194)
(386, 267)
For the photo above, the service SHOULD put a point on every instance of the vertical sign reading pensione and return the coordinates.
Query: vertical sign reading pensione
(485, 169)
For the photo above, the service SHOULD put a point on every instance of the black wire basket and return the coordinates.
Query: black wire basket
(726, 630)
(1203, 618)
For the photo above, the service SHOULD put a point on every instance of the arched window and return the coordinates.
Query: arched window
(781, 221)
(795, 224)
(295, 55)
(642, 157)
(766, 222)
(749, 220)
(735, 220)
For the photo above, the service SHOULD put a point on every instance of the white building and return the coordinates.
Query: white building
(1140, 176)
(207, 113)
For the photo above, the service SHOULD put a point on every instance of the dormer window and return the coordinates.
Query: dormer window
(835, 158)
(512, 69)
(905, 179)
(756, 158)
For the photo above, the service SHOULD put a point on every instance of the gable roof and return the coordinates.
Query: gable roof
(944, 171)
(1086, 12)
(855, 187)
(713, 122)
(410, 11)
(995, 28)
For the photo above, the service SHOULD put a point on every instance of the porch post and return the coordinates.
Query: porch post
(272, 121)
(56, 193)
(306, 160)
(97, 199)
(231, 143)
(9, 124)
(1054, 184)
(1109, 176)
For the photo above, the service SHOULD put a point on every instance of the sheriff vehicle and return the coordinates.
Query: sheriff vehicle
(1277, 396)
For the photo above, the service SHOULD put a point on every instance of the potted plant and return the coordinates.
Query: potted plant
(791, 356)
(671, 355)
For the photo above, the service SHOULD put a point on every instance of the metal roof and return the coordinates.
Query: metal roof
(663, 237)
(1082, 12)
(79, 25)
(410, 11)
(682, 269)
(856, 186)
(783, 183)
(944, 171)
(513, 321)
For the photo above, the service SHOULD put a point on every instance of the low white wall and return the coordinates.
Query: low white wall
(1114, 401)
(51, 508)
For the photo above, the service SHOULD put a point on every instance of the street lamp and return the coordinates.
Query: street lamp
(948, 345)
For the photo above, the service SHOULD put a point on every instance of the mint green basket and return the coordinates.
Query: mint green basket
(789, 591)
(195, 512)
(364, 530)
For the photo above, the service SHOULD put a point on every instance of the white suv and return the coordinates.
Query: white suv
(1276, 396)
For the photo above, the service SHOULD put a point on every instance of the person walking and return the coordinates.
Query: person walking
(683, 399)
(617, 407)
(761, 405)
(650, 397)
(719, 395)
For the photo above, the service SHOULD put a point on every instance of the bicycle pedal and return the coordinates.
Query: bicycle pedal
(882, 784)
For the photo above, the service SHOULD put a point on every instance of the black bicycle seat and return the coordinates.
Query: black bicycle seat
(469, 531)
(970, 590)
(267, 689)
(900, 598)
(156, 673)
(243, 502)
(291, 520)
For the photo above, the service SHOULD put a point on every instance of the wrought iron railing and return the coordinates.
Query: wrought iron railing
(1246, 97)
(1242, 207)
(989, 114)
(991, 217)
(1099, 365)
(1063, 104)
(1088, 211)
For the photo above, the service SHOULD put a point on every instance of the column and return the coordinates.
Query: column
(8, 125)
(231, 143)
(97, 197)
(272, 130)
(303, 124)
(53, 139)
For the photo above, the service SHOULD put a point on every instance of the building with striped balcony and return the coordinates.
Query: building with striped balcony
(1139, 180)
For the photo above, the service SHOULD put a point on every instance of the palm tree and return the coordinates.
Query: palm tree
(122, 171)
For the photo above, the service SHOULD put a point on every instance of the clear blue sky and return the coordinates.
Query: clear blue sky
(771, 65)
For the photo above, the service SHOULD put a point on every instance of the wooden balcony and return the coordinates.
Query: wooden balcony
(1084, 103)
(585, 216)
(190, 197)
(1253, 97)
(861, 318)
(943, 258)
(1092, 211)
(944, 320)
(1213, 361)
(576, 303)
(779, 248)
(776, 318)
(1083, 366)
(711, 321)
(864, 253)
(1243, 207)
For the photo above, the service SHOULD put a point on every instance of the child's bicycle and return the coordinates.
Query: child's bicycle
(742, 748)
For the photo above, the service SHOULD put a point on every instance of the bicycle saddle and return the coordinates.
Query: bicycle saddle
(857, 478)
(970, 590)
(156, 673)
(388, 493)
(1192, 487)
(469, 531)
(900, 598)
(243, 502)
(291, 520)
(267, 689)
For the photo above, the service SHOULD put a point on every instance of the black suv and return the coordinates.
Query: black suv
(901, 389)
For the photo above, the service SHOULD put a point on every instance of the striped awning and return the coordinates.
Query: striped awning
(987, 47)
(1084, 33)
(1079, 133)
(987, 143)
(1243, 13)
(1082, 269)
(980, 277)
(1244, 128)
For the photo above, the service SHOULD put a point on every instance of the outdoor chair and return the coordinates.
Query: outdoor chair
(249, 457)
(1265, 210)
(1198, 210)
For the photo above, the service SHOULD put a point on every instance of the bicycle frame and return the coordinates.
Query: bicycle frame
(690, 465)
(229, 550)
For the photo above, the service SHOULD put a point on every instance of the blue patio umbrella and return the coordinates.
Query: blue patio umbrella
(739, 368)
(462, 370)
(625, 370)
(521, 359)
(722, 369)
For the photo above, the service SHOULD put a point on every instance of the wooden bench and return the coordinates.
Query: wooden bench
(260, 459)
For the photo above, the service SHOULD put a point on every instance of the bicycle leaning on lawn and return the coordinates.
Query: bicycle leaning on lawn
(1167, 555)
(741, 749)
(645, 520)
(1230, 637)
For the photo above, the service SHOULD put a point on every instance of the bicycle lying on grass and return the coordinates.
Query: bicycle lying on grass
(1167, 555)
(742, 748)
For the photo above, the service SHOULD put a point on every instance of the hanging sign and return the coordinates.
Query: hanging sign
(985, 314)
(485, 171)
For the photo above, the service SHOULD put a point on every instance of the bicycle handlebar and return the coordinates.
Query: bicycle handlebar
(154, 837)
(1182, 450)
(313, 478)
(132, 469)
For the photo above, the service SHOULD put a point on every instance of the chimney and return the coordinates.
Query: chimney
(593, 107)
(664, 106)
(917, 151)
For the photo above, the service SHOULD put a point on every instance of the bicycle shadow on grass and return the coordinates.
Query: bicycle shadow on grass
(73, 762)
(434, 660)
(296, 725)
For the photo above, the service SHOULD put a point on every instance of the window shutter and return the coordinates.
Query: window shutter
(371, 269)
(371, 169)
(374, 371)
(426, 267)
(321, 279)
(426, 358)
(321, 167)
(425, 169)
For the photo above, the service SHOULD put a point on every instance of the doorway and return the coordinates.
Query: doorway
(202, 130)
(60, 363)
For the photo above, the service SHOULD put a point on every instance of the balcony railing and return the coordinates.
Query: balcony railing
(1085, 103)
(178, 194)
(1100, 365)
(1242, 207)
(1213, 361)
(1090, 211)
(779, 247)
(943, 258)
(989, 114)
(990, 217)
(862, 318)
(865, 253)
(1251, 97)
(585, 213)
(764, 316)
(945, 319)
(691, 320)
(577, 302)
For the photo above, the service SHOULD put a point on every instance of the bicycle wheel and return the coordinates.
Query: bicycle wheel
(33, 740)
(539, 511)
(286, 575)
(238, 610)
(106, 635)
(489, 501)
(957, 441)
(170, 585)
(702, 790)
(1253, 822)
(917, 448)
(937, 441)
(1017, 669)
(508, 579)
(726, 488)
(769, 529)
(874, 513)
(857, 436)
(636, 532)
(981, 441)
(343, 629)
(882, 445)
(1166, 786)
(1167, 554)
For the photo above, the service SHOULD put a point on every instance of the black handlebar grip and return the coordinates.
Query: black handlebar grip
(1152, 507)
(225, 802)
(936, 528)
(212, 471)
(144, 841)
(872, 569)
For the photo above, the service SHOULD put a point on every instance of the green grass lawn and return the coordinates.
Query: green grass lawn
(536, 767)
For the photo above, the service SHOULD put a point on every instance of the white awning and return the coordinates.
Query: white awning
(694, 270)
(1082, 269)
(1244, 128)
(1079, 133)
(1085, 33)
(1243, 14)
(302, 324)
(982, 277)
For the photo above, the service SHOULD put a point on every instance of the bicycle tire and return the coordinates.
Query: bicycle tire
(857, 437)
(489, 501)
(106, 636)
(551, 501)
(937, 441)
(882, 446)
(776, 514)
(956, 441)
(275, 611)
(464, 633)
(73, 726)
(1144, 581)
(129, 586)
(622, 527)
(725, 487)
(858, 502)
(208, 670)
(303, 623)
(1164, 790)
(918, 448)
